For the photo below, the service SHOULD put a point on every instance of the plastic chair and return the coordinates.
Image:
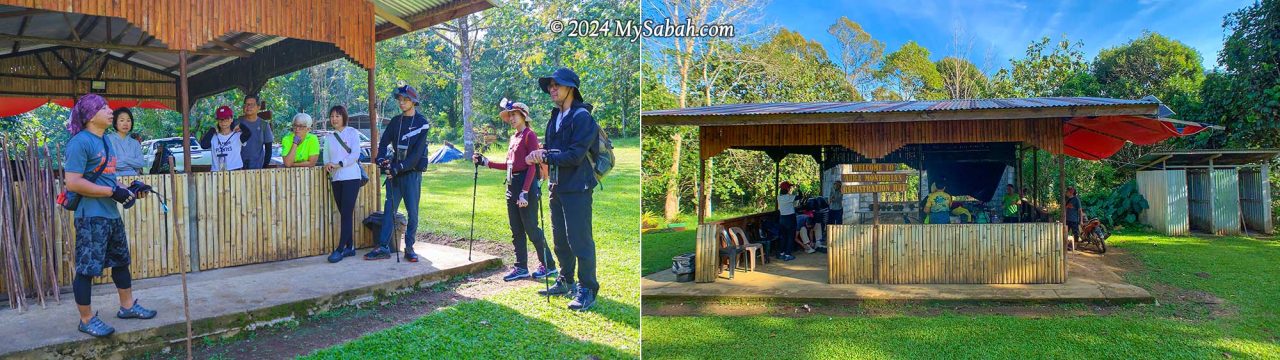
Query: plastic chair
(729, 248)
(752, 250)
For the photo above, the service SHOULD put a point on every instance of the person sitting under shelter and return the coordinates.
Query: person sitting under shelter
(938, 204)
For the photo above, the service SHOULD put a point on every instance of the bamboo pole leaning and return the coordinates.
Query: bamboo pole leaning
(14, 286)
(29, 241)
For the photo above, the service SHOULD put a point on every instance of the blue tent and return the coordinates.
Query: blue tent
(445, 154)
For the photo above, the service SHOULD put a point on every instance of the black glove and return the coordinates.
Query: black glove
(123, 196)
(138, 187)
(480, 160)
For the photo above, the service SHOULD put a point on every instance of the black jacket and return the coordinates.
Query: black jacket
(576, 139)
(408, 136)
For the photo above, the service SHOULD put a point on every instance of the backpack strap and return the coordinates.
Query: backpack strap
(93, 176)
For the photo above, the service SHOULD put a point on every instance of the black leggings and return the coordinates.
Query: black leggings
(82, 285)
(344, 195)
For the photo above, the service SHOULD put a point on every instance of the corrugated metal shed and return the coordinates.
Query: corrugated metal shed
(1226, 202)
(1166, 194)
(1255, 199)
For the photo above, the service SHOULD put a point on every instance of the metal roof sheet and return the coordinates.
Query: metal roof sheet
(894, 106)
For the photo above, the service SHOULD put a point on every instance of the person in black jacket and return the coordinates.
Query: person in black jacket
(572, 135)
(402, 157)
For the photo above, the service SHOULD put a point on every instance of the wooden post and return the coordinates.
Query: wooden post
(184, 102)
(875, 233)
(776, 180)
(373, 134)
(1035, 178)
(1062, 191)
(702, 188)
(1022, 155)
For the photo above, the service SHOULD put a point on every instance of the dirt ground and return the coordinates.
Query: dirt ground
(344, 324)
(1185, 303)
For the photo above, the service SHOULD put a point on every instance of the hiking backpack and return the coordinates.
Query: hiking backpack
(601, 155)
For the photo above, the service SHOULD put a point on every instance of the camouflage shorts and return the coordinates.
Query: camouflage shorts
(100, 243)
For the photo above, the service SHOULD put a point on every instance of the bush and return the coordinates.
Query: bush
(1120, 207)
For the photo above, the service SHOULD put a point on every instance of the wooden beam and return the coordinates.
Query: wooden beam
(135, 48)
(225, 44)
(73, 96)
(141, 42)
(1153, 163)
(22, 13)
(433, 17)
(38, 77)
(22, 28)
(389, 17)
(906, 116)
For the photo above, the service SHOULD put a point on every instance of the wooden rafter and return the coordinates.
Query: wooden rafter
(98, 45)
(141, 42)
(22, 13)
(434, 17)
(389, 17)
(225, 44)
(22, 29)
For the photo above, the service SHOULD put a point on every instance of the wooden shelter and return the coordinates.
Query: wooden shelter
(165, 54)
(866, 133)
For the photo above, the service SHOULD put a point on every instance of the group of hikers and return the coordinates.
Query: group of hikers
(94, 159)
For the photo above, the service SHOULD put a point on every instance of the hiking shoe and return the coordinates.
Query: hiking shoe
(517, 274)
(348, 252)
(136, 312)
(560, 288)
(787, 257)
(336, 256)
(96, 327)
(543, 272)
(410, 256)
(380, 253)
(583, 301)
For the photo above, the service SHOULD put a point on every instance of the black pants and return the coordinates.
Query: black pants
(786, 233)
(524, 223)
(1074, 228)
(571, 232)
(344, 195)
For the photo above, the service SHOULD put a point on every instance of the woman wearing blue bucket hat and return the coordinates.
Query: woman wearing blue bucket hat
(572, 133)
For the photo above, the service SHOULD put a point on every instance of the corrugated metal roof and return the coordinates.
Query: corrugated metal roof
(895, 106)
(406, 8)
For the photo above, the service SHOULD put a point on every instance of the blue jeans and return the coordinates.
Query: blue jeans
(406, 186)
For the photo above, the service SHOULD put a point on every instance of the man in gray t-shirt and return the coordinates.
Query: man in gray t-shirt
(256, 152)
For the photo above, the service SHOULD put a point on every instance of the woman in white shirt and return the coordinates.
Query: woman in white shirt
(224, 142)
(342, 162)
(786, 221)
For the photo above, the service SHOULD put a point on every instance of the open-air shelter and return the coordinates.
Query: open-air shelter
(856, 142)
(164, 54)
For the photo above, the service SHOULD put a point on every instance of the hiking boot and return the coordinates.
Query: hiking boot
(517, 274)
(348, 252)
(96, 327)
(583, 301)
(787, 257)
(543, 272)
(336, 256)
(136, 312)
(380, 253)
(410, 256)
(560, 288)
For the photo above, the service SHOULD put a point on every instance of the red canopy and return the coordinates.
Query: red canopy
(13, 106)
(1100, 137)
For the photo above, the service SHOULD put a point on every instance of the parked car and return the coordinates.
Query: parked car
(150, 147)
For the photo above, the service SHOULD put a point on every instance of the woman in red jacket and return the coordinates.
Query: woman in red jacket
(522, 191)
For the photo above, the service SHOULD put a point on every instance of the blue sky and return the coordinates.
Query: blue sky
(1005, 27)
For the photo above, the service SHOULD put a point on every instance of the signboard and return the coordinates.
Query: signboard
(891, 178)
(874, 188)
(873, 167)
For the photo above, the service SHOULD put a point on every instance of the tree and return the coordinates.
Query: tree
(1150, 65)
(909, 71)
(860, 55)
(1043, 71)
(961, 79)
(1252, 61)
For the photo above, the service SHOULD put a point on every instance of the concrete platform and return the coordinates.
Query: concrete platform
(224, 302)
(1089, 279)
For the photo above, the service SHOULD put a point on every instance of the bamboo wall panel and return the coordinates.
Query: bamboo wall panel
(876, 140)
(1028, 253)
(850, 254)
(246, 217)
(187, 25)
(706, 256)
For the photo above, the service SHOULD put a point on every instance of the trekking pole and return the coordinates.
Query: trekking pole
(475, 182)
(546, 249)
(182, 260)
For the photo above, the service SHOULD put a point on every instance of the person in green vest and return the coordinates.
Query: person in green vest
(938, 203)
(300, 148)
(1010, 203)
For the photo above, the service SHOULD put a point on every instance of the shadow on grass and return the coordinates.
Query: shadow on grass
(482, 329)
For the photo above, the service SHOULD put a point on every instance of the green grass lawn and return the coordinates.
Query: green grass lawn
(1241, 271)
(519, 323)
